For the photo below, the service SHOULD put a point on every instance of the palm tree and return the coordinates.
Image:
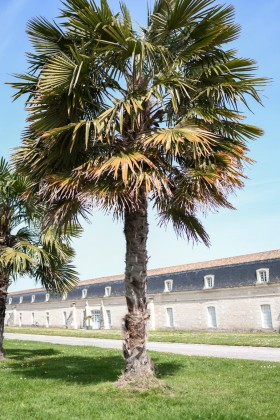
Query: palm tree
(24, 247)
(120, 115)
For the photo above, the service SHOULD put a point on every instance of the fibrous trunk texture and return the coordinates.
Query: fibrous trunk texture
(4, 282)
(135, 322)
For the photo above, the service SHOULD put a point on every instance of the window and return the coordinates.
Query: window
(33, 318)
(47, 319)
(84, 293)
(47, 297)
(32, 298)
(96, 319)
(212, 320)
(10, 301)
(64, 296)
(109, 318)
(209, 282)
(266, 316)
(170, 319)
(108, 291)
(65, 319)
(20, 320)
(168, 285)
(262, 275)
(21, 299)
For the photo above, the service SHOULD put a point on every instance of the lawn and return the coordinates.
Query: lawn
(228, 338)
(43, 381)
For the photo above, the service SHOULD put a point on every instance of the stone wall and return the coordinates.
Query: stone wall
(236, 309)
(243, 294)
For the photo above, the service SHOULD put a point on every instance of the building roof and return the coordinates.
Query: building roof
(260, 256)
(38, 289)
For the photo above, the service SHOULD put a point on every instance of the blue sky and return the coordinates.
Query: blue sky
(255, 224)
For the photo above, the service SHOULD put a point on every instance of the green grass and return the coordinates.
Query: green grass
(43, 381)
(228, 338)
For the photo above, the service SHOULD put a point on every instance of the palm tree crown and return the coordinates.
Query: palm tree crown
(119, 114)
(25, 247)
(113, 107)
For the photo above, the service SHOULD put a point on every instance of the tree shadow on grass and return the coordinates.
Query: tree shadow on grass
(22, 353)
(163, 369)
(82, 370)
(86, 369)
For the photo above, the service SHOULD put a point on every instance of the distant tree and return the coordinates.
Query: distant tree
(120, 115)
(24, 247)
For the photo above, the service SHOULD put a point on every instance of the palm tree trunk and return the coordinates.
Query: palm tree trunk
(135, 322)
(4, 282)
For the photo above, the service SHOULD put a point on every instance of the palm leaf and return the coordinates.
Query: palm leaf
(125, 164)
(185, 224)
(176, 140)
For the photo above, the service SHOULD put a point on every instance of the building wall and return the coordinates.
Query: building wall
(77, 313)
(237, 309)
(236, 302)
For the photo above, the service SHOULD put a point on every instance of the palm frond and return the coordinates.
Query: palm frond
(46, 37)
(176, 140)
(15, 261)
(168, 16)
(127, 164)
(185, 224)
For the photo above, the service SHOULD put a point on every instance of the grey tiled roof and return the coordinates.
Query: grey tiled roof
(152, 274)
(260, 256)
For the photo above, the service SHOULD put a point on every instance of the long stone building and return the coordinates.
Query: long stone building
(239, 293)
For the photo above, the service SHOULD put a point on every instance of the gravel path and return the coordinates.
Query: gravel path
(230, 352)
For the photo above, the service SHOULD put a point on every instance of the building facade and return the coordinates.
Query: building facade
(230, 294)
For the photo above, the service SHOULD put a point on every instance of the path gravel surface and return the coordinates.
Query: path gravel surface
(268, 354)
